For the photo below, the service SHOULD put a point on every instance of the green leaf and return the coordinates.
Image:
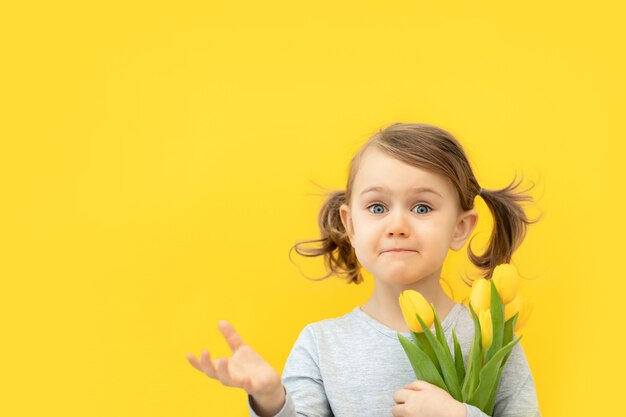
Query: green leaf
(442, 338)
(458, 358)
(447, 367)
(474, 363)
(497, 321)
(492, 397)
(488, 377)
(509, 326)
(422, 342)
(423, 367)
(439, 330)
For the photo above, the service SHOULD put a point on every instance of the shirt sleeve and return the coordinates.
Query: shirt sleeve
(516, 395)
(302, 379)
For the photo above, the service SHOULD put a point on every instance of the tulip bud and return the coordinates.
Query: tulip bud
(486, 329)
(506, 280)
(480, 297)
(525, 309)
(512, 308)
(412, 303)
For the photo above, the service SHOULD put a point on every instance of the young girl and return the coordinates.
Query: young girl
(409, 198)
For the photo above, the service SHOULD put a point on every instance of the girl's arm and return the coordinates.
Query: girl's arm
(302, 380)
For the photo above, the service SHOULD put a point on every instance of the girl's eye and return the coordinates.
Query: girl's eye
(425, 207)
(379, 208)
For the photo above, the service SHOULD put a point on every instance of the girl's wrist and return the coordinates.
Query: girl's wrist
(268, 405)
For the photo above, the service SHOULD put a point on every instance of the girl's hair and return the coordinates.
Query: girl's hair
(434, 149)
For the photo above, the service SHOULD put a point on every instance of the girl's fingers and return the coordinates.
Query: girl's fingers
(206, 363)
(222, 372)
(420, 385)
(230, 334)
(194, 362)
(216, 369)
(399, 396)
(398, 410)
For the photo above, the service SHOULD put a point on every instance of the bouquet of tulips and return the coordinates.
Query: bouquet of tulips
(498, 311)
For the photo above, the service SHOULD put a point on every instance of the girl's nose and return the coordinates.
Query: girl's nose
(398, 225)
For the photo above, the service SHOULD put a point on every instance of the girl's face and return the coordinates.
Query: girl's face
(395, 205)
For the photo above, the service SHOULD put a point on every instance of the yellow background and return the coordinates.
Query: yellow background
(158, 160)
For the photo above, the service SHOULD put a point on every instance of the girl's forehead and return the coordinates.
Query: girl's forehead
(387, 173)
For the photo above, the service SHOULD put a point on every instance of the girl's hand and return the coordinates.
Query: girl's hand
(419, 398)
(246, 369)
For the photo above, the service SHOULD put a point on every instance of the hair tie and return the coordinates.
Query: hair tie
(480, 192)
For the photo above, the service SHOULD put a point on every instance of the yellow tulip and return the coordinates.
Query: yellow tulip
(480, 297)
(486, 329)
(506, 280)
(412, 302)
(513, 307)
(526, 307)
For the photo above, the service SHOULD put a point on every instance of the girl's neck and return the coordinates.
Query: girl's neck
(384, 306)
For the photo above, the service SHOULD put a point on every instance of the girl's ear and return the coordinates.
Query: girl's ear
(346, 220)
(464, 227)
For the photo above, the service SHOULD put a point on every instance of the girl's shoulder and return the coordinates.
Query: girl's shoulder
(351, 325)
(344, 322)
(329, 334)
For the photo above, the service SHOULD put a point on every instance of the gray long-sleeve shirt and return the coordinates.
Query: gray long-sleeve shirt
(351, 365)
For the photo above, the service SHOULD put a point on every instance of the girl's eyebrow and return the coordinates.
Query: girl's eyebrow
(414, 190)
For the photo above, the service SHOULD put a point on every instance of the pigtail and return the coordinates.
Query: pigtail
(339, 256)
(509, 226)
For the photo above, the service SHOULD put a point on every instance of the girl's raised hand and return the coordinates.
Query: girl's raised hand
(246, 369)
